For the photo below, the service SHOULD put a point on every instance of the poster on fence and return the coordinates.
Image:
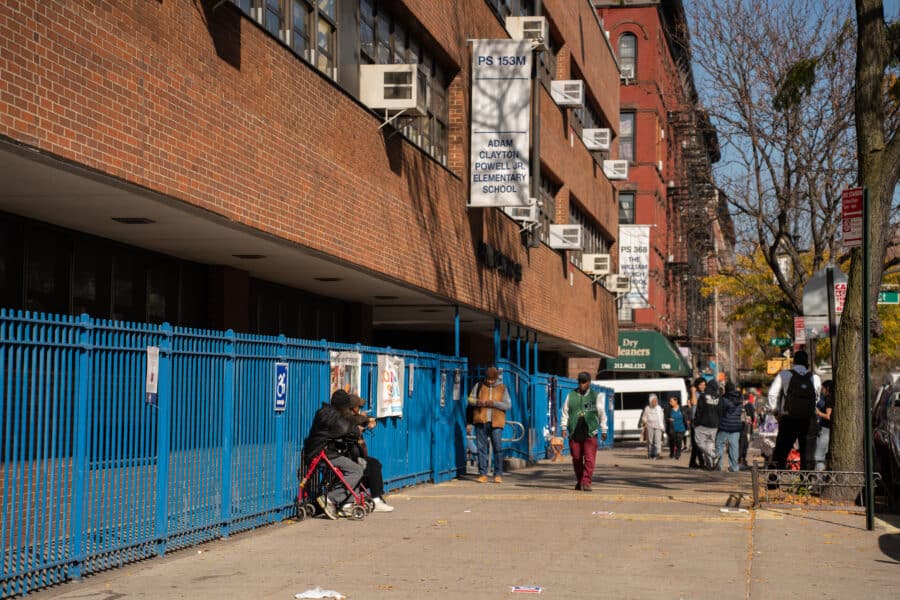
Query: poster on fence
(152, 385)
(346, 372)
(390, 386)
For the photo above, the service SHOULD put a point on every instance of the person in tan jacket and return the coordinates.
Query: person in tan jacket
(491, 401)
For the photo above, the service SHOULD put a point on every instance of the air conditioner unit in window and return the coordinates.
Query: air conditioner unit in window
(525, 214)
(568, 93)
(596, 264)
(535, 29)
(659, 166)
(596, 139)
(615, 169)
(626, 72)
(393, 88)
(566, 237)
(618, 284)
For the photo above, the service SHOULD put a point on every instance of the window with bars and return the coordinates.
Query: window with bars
(626, 136)
(594, 242)
(384, 39)
(626, 208)
(547, 211)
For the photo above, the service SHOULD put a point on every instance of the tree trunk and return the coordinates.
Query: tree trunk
(879, 165)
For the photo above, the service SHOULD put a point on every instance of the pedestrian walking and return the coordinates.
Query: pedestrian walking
(583, 416)
(824, 412)
(677, 427)
(792, 399)
(731, 406)
(706, 423)
(491, 401)
(654, 422)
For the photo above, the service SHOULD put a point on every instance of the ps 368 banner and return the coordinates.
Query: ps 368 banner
(634, 260)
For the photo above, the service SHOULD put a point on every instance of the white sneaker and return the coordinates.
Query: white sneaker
(382, 506)
(328, 507)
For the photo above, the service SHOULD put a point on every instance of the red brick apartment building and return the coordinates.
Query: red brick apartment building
(210, 163)
(670, 145)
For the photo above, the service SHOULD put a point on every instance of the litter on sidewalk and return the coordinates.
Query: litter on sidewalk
(733, 510)
(526, 589)
(603, 513)
(318, 592)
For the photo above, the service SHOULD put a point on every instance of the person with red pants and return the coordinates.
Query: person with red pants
(582, 417)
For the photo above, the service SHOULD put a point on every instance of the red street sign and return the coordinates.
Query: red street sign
(852, 217)
(799, 330)
(840, 294)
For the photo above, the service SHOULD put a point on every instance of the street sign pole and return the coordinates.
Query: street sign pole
(829, 286)
(867, 438)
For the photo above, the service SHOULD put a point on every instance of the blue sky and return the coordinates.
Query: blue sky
(892, 9)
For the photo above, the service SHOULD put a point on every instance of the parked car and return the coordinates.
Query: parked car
(886, 435)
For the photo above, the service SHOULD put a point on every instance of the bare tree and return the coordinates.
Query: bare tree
(784, 163)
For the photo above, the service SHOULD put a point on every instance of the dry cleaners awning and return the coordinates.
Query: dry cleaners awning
(647, 351)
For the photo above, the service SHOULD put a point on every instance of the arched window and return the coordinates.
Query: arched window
(628, 55)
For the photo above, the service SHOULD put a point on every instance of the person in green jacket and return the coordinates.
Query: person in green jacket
(582, 417)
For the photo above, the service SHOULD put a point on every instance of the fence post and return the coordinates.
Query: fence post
(227, 431)
(163, 412)
(79, 459)
(275, 508)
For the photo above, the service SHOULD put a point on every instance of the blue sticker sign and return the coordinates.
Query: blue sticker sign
(281, 383)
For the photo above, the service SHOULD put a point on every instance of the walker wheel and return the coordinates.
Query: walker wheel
(299, 511)
(370, 505)
(310, 509)
(358, 512)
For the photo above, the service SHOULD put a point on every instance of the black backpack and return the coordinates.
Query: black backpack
(800, 398)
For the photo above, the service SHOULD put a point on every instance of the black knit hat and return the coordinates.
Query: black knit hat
(340, 399)
(584, 377)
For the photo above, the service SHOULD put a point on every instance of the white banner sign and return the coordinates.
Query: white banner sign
(346, 372)
(501, 121)
(152, 384)
(634, 260)
(390, 386)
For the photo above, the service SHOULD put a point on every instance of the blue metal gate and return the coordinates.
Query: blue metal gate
(94, 476)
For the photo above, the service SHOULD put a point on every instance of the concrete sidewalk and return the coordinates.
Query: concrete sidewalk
(650, 529)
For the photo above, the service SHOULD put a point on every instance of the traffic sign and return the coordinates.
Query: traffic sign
(888, 297)
(852, 217)
(779, 341)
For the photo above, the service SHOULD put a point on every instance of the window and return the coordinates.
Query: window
(547, 211)
(594, 242)
(383, 39)
(296, 23)
(505, 8)
(626, 208)
(547, 62)
(628, 54)
(626, 136)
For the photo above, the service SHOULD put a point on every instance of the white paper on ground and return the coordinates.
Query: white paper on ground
(318, 592)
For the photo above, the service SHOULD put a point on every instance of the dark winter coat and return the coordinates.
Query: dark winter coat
(332, 432)
(707, 411)
(731, 405)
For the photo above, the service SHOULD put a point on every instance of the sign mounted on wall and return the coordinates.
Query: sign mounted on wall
(152, 375)
(634, 261)
(499, 166)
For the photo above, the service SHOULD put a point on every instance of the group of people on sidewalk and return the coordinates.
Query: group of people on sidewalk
(709, 423)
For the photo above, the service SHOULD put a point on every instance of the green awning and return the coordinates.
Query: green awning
(647, 351)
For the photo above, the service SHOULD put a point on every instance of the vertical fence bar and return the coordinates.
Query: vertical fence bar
(268, 406)
(82, 398)
(163, 409)
(227, 432)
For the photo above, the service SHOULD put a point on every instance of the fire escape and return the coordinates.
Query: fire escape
(692, 205)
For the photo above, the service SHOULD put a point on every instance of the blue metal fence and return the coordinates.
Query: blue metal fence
(93, 476)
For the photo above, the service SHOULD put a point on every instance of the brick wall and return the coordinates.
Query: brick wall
(208, 109)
